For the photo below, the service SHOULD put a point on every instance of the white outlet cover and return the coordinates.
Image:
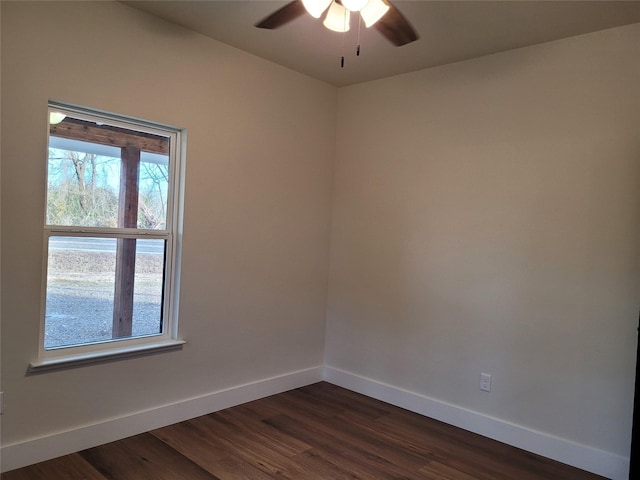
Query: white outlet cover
(485, 382)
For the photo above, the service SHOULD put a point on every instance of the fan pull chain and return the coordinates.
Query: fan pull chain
(344, 35)
(358, 47)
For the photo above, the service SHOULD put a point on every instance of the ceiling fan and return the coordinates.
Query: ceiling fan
(379, 14)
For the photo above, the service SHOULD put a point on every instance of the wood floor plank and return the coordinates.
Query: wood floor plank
(440, 471)
(318, 432)
(69, 467)
(440, 449)
(209, 443)
(340, 450)
(209, 451)
(314, 461)
(143, 457)
(235, 468)
(353, 432)
(474, 453)
(265, 407)
(194, 442)
(252, 448)
(283, 444)
(348, 401)
(378, 442)
(466, 452)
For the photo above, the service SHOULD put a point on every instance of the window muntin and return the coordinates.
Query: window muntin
(112, 194)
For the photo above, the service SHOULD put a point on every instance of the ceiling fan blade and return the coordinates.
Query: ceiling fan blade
(283, 15)
(396, 28)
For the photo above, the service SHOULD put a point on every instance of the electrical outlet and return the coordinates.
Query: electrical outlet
(485, 382)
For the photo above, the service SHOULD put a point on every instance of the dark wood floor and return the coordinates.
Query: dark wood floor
(319, 432)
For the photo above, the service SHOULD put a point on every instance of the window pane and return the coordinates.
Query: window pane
(148, 289)
(82, 188)
(154, 188)
(81, 281)
(102, 175)
(80, 286)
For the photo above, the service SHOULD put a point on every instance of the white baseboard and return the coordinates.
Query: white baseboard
(35, 450)
(62, 443)
(587, 458)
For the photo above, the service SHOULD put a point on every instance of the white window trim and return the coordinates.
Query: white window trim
(76, 355)
(79, 359)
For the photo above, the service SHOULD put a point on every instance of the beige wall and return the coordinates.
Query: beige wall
(486, 219)
(257, 206)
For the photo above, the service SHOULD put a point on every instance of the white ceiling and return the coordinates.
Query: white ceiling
(449, 30)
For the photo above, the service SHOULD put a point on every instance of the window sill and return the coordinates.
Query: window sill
(69, 361)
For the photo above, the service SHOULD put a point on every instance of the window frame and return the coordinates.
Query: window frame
(63, 356)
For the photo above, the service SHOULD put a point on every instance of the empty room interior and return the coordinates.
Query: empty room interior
(459, 239)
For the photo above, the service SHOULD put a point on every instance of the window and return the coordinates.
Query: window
(111, 236)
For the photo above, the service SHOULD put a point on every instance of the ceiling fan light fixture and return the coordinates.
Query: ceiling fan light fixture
(316, 8)
(373, 11)
(56, 117)
(354, 5)
(337, 18)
